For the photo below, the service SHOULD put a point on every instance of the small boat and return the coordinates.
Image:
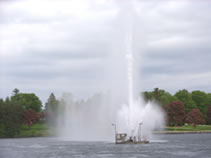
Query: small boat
(121, 138)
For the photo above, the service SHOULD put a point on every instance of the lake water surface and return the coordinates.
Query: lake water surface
(170, 146)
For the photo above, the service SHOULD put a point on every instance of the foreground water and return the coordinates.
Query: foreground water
(171, 146)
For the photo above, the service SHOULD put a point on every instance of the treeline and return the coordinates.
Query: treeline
(19, 109)
(26, 108)
(184, 106)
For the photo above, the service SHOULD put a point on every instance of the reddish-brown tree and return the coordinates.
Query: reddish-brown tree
(194, 117)
(175, 113)
(209, 115)
(30, 117)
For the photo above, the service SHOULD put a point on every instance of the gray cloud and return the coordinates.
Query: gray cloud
(68, 45)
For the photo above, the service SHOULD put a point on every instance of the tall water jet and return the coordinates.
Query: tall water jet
(136, 116)
(92, 119)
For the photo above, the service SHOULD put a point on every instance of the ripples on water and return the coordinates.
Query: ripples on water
(170, 146)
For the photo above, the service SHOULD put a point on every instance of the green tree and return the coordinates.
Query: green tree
(148, 96)
(1, 101)
(167, 98)
(52, 109)
(186, 97)
(28, 101)
(201, 100)
(11, 119)
(161, 96)
(52, 103)
(209, 98)
(7, 100)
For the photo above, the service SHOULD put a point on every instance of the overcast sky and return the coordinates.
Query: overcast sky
(64, 45)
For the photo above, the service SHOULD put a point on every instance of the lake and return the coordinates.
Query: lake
(168, 146)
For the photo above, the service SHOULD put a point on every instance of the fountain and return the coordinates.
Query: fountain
(136, 113)
(133, 119)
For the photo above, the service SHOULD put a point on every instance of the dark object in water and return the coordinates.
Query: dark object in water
(121, 138)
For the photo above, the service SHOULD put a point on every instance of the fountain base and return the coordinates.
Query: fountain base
(121, 138)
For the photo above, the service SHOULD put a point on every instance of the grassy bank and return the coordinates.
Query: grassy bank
(188, 129)
(36, 130)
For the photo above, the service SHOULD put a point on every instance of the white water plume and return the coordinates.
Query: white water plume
(137, 119)
(120, 104)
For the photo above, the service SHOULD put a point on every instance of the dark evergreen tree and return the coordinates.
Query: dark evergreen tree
(15, 91)
(52, 109)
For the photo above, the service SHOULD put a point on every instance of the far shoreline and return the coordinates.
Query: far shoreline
(44, 130)
(182, 132)
(156, 133)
